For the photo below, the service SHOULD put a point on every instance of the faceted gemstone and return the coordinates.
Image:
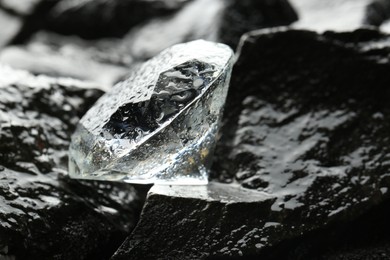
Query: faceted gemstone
(160, 125)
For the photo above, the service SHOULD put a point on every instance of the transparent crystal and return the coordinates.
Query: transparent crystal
(159, 125)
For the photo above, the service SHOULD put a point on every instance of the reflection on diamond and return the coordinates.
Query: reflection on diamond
(159, 125)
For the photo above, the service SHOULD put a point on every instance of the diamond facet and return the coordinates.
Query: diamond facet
(159, 125)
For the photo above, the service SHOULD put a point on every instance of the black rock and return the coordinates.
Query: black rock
(366, 237)
(377, 12)
(218, 20)
(194, 222)
(156, 27)
(241, 16)
(305, 146)
(44, 214)
(93, 19)
(69, 56)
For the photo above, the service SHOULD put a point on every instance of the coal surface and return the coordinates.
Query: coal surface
(377, 12)
(43, 213)
(239, 17)
(304, 147)
(366, 237)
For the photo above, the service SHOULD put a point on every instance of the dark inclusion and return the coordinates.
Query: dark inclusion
(174, 89)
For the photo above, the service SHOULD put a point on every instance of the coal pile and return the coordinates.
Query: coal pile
(302, 163)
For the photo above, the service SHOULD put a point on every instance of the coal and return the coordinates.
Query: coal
(377, 12)
(304, 148)
(219, 20)
(301, 168)
(44, 214)
(94, 19)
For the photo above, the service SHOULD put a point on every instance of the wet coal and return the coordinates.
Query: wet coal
(45, 214)
(304, 147)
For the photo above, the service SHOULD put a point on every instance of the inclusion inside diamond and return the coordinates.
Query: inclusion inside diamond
(160, 125)
(175, 89)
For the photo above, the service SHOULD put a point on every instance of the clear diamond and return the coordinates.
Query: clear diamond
(159, 125)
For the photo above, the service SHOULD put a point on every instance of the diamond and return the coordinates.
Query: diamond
(159, 125)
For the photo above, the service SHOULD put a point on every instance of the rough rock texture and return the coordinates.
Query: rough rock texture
(366, 237)
(305, 146)
(198, 221)
(303, 162)
(44, 214)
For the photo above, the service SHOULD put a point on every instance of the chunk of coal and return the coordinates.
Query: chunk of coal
(219, 20)
(93, 19)
(305, 142)
(377, 12)
(44, 214)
